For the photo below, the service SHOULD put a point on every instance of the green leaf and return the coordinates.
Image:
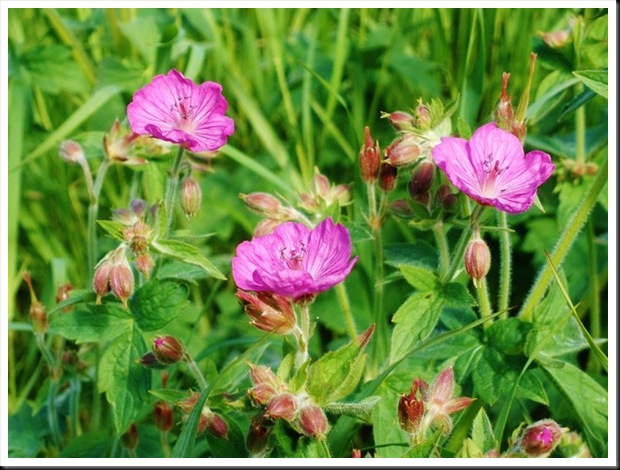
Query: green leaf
(185, 443)
(27, 433)
(508, 335)
(98, 323)
(123, 379)
(415, 321)
(157, 303)
(169, 395)
(421, 278)
(588, 400)
(596, 80)
(456, 295)
(482, 432)
(93, 444)
(113, 228)
(361, 410)
(187, 253)
(336, 374)
(54, 70)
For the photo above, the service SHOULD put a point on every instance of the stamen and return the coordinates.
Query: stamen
(293, 258)
(182, 107)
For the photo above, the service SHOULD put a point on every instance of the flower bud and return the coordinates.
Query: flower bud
(313, 421)
(138, 207)
(124, 216)
(262, 204)
(258, 437)
(72, 152)
(101, 278)
(411, 407)
(167, 350)
(504, 114)
(129, 439)
(121, 279)
(403, 151)
(38, 314)
(187, 404)
(62, 292)
(282, 406)
(421, 179)
(213, 423)
(162, 413)
(145, 264)
(149, 360)
(477, 259)
(370, 159)
(356, 453)
(265, 227)
(401, 120)
(556, 39)
(266, 385)
(446, 198)
(387, 177)
(540, 438)
(191, 196)
(423, 116)
(269, 312)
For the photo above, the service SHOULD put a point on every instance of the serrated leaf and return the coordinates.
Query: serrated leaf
(508, 335)
(596, 80)
(98, 323)
(113, 228)
(421, 278)
(157, 303)
(123, 379)
(456, 295)
(417, 253)
(188, 254)
(415, 321)
(482, 432)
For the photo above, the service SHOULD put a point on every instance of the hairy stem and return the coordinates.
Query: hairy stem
(171, 189)
(483, 301)
(52, 415)
(193, 367)
(345, 307)
(505, 280)
(444, 250)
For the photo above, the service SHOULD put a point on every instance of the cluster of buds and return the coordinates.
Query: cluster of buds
(279, 402)
(137, 234)
(323, 195)
(269, 312)
(114, 273)
(537, 440)
(477, 259)
(425, 408)
(209, 421)
(165, 350)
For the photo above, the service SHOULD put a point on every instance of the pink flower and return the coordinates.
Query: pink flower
(492, 169)
(175, 109)
(293, 260)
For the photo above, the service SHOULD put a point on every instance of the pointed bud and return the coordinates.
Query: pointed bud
(263, 204)
(269, 312)
(149, 360)
(145, 264)
(214, 424)
(411, 407)
(162, 414)
(504, 114)
(313, 421)
(282, 406)
(477, 259)
(421, 179)
(167, 350)
(258, 437)
(101, 278)
(401, 120)
(423, 116)
(403, 151)
(72, 152)
(124, 216)
(540, 438)
(369, 159)
(121, 279)
(446, 198)
(191, 196)
(387, 177)
(129, 439)
(38, 314)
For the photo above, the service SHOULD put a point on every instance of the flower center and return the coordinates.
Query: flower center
(183, 106)
(492, 170)
(293, 257)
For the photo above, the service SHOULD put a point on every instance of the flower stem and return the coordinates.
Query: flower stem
(193, 367)
(345, 306)
(171, 189)
(165, 445)
(52, 416)
(483, 301)
(505, 265)
(573, 227)
(595, 303)
(444, 250)
(457, 257)
(93, 210)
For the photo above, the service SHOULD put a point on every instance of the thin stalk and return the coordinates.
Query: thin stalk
(165, 445)
(505, 273)
(381, 332)
(193, 367)
(459, 252)
(345, 307)
(171, 189)
(483, 301)
(302, 333)
(573, 227)
(444, 250)
(93, 210)
(580, 132)
(595, 302)
(52, 415)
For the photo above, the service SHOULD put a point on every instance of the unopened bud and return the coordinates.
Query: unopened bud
(38, 314)
(504, 114)
(403, 151)
(370, 158)
(162, 414)
(145, 264)
(477, 259)
(258, 437)
(282, 406)
(266, 385)
(356, 453)
(191, 196)
(72, 152)
(149, 360)
(269, 312)
(167, 350)
(62, 292)
(265, 227)
(129, 439)
(446, 198)
(387, 177)
(423, 116)
(556, 39)
(421, 179)
(411, 407)
(101, 278)
(121, 280)
(138, 207)
(213, 423)
(401, 120)
(540, 438)
(313, 421)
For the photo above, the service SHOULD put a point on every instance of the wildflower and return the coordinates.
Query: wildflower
(294, 261)
(175, 109)
(269, 312)
(72, 152)
(114, 272)
(492, 169)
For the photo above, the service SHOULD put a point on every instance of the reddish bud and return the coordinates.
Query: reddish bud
(401, 120)
(62, 292)
(540, 438)
(258, 437)
(269, 312)
(370, 159)
(72, 152)
(356, 453)
(101, 278)
(403, 151)
(446, 198)
(423, 116)
(477, 259)
(145, 264)
(263, 204)
(313, 421)
(38, 314)
(191, 196)
(129, 439)
(213, 423)
(149, 360)
(282, 406)
(421, 179)
(411, 407)
(121, 280)
(387, 177)
(266, 385)
(162, 413)
(504, 114)
(167, 350)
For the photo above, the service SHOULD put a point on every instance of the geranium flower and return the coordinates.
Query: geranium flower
(492, 169)
(175, 109)
(293, 260)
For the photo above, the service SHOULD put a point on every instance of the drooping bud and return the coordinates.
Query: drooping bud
(401, 120)
(129, 439)
(72, 152)
(266, 385)
(313, 421)
(403, 151)
(167, 350)
(38, 314)
(149, 360)
(540, 438)
(213, 423)
(411, 407)
(370, 159)
(162, 414)
(269, 312)
(262, 204)
(101, 278)
(387, 177)
(191, 196)
(446, 197)
(421, 179)
(121, 279)
(258, 437)
(283, 406)
(145, 264)
(477, 259)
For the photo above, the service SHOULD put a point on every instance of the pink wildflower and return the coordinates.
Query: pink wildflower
(294, 261)
(175, 109)
(492, 169)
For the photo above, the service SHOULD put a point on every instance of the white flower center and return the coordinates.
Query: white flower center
(492, 171)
